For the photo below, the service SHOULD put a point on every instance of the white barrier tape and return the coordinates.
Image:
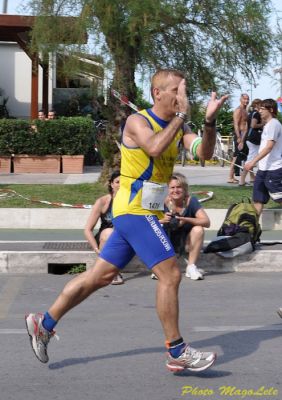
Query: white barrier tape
(7, 193)
(123, 99)
(209, 195)
(224, 159)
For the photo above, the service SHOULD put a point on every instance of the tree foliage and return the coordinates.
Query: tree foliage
(209, 39)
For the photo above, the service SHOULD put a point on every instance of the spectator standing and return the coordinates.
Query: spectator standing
(268, 180)
(240, 122)
(253, 138)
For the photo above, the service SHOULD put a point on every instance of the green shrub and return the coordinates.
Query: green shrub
(76, 136)
(14, 135)
(70, 136)
(77, 269)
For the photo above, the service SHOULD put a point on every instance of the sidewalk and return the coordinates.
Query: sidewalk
(90, 175)
(27, 248)
(196, 175)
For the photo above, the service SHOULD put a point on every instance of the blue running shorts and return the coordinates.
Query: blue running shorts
(268, 184)
(142, 235)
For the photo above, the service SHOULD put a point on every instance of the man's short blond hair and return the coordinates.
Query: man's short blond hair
(159, 78)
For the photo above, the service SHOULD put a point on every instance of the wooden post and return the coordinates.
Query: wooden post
(45, 88)
(34, 87)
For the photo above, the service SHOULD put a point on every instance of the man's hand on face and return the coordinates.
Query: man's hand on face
(181, 97)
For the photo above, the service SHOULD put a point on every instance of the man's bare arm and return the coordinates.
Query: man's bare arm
(137, 131)
(236, 123)
(206, 148)
(266, 150)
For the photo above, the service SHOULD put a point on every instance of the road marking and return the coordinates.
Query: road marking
(8, 294)
(8, 331)
(237, 328)
(12, 331)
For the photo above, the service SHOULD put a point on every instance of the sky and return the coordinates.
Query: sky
(264, 87)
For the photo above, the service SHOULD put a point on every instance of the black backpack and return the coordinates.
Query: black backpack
(241, 217)
(240, 226)
(254, 134)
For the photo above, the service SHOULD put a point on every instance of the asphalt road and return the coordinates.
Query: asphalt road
(111, 346)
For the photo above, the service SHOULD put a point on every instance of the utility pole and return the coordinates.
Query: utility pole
(5, 6)
(279, 71)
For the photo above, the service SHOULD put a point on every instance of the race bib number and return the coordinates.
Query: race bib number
(153, 195)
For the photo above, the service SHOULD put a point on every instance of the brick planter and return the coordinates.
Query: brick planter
(5, 164)
(37, 164)
(72, 164)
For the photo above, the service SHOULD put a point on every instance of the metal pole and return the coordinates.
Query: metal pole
(5, 6)
(281, 74)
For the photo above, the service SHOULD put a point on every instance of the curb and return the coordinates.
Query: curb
(40, 261)
(73, 218)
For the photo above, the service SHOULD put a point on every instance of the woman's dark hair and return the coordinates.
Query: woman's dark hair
(114, 175)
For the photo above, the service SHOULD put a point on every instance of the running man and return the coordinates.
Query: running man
(148, 151)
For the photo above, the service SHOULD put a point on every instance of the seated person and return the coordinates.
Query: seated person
(184, 222)
(103, 209)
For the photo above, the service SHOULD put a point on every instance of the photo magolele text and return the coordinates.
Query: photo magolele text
(230, 391)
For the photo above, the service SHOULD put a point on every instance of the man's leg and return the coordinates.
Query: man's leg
(40, 327)
(231, 170)
(79, 288)
(169, 277)
(259, 207)
(232, 178)
(104, 236)
(243, 177)
(180, 355)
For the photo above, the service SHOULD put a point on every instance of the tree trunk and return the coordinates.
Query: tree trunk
(124, 83)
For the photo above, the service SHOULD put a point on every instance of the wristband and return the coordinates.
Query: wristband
(210, 124)
(181, 115)
(193, 148)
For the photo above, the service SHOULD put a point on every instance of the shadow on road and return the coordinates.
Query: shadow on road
(234, 345)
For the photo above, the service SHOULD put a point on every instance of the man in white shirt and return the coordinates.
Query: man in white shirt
(268, 181)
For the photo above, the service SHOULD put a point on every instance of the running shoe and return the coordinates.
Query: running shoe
(191, 359)
(118, 280)
(153, 276)
(38, 335)
(193, 273)
(279, 312)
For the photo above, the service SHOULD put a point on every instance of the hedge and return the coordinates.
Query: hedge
(69, 136)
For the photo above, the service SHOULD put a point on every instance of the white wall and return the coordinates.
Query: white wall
(15, 79)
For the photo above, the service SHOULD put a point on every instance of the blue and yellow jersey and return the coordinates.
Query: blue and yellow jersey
(137, 167)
